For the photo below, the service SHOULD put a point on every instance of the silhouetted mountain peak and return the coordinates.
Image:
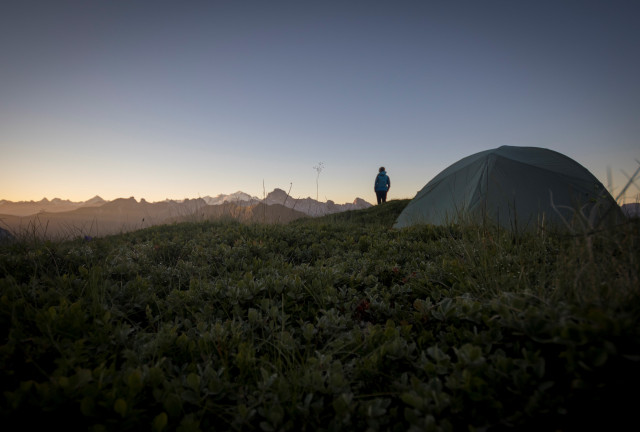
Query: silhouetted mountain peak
(359, 202)
(94, 201)
(277, 196)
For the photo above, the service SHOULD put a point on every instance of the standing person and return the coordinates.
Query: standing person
(382, 185)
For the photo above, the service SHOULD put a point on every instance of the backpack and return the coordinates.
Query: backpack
(381, 182)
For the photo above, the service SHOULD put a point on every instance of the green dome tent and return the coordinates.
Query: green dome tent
(518, 188)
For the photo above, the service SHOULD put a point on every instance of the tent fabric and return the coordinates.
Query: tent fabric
(518, 188)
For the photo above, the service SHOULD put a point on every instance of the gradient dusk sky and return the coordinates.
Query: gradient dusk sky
(180, 99)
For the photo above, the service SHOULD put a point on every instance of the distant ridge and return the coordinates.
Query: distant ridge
(96, 217)
(312, 207)
(95, 201)
(307, 206)
(238, 198)
(56, 205)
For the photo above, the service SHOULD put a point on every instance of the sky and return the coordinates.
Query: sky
(185, 99)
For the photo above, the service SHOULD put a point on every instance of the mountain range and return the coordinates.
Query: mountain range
(56, 205)
(58, 218)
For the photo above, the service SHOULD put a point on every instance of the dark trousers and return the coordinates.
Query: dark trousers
(381, 196)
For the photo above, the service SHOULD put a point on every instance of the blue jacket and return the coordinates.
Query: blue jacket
(382, 183)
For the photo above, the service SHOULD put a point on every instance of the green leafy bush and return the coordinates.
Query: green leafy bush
(334, 323)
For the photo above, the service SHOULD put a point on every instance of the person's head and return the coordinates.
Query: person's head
(381, 169)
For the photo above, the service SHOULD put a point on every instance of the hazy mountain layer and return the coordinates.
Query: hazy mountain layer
(56, 205)
(308, 206)
(97, 217)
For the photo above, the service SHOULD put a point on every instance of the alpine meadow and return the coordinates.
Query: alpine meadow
(333, 323)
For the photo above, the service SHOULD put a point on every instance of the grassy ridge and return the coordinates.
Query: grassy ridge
(381, 215)
(335, 323)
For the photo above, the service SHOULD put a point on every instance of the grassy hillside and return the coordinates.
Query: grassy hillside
(381, 215)
(335, 323)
